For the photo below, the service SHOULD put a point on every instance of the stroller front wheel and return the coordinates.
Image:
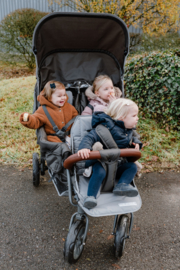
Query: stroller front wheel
(36, 170)
(120, 236)
(74, 244)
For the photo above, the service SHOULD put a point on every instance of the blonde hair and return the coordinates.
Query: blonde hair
(119, 108)
(99, 81)
(48, 91)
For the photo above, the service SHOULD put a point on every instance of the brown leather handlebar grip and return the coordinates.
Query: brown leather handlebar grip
(132, 155)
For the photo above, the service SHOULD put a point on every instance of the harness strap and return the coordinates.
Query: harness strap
(55, 128)
(111, 166)
(91, 107)
(68, 124)
(60, 133)
(106, 137)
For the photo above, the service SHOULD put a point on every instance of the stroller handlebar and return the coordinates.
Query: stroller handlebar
(132, 155)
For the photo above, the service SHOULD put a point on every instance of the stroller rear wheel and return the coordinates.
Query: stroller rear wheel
(36, 170)
(74, 245)
(120, 236)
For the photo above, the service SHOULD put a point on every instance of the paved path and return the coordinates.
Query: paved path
(34, 224)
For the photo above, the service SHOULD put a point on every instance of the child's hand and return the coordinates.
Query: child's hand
(111, 98)
(25, 117)
(136, 146)
(84, 153)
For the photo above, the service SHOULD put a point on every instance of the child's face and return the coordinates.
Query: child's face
(105, 90)
(131, 118)
(59, 97)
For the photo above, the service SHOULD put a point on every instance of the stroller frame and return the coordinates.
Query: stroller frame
(80, 215)
(123, 220)
(102, 41)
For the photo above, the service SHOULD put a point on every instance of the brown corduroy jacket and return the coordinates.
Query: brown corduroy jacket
(60, 115)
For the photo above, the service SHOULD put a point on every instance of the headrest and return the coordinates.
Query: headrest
(70, 97)
(79, 129)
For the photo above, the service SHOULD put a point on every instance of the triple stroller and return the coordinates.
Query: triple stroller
(74, 48)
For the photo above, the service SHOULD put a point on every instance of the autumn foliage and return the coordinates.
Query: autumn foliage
(152, 16)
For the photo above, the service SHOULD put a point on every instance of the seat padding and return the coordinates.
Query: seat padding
(107, 203)
(79, 129)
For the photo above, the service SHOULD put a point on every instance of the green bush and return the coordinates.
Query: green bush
(16, 32)
(153, 81)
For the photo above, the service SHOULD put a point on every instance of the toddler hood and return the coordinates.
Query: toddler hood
(90, 95)
(43, 101)
(105, 120)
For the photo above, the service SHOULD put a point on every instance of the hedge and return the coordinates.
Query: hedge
(153, 81)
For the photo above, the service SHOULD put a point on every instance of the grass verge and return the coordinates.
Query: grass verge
(8, 71)
(17, 143)
(161, 147)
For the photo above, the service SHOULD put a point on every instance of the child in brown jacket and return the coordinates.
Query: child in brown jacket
(55, 98)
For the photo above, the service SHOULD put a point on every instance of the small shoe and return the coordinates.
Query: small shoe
(124, 189)
(90, 202)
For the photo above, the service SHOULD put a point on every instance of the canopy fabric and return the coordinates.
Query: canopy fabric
(81, 31)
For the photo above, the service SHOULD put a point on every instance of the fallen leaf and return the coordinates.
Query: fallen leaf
(145, 144)
(167, 129)
(110, 237)
(154, 158)
(136, 228)
(173, 139)
(100, 231)
(63, 239)
(116, 266)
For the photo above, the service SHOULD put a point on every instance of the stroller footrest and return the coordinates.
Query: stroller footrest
(61, 188)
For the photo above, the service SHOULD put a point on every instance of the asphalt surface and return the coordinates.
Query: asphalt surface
(34, 224)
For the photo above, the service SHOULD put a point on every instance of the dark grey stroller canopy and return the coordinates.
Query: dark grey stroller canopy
(80, 46)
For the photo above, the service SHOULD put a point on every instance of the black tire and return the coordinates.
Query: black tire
(36, 170)
(73, 246)
(121, 232)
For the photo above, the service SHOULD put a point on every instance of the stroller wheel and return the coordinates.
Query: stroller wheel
(74, 245)
(36, 170)
(120, 237)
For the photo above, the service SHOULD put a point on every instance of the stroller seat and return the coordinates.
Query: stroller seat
(52, 153)
(107, 203)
